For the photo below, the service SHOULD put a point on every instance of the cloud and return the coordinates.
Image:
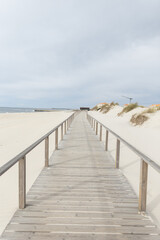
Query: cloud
(76, 52)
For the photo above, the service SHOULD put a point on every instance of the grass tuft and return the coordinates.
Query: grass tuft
(139, 119)
(128, 108)
(107, 107)
(95, 108)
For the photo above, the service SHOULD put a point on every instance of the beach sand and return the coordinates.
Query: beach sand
(17, 132)
(145, 138)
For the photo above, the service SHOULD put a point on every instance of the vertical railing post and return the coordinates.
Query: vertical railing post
(68, 123)
(46, 151)
(96, 128)
(143, 186)
(100, 136)
(65, 127)
(117, 153)
(94, 125)
(56, 139)
(106, 143)
(62, 131)
(22, 183)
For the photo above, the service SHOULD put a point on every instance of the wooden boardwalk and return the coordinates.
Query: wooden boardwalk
(81, 196)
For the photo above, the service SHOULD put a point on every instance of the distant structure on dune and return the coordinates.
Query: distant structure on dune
(155, 105)
(84, 108)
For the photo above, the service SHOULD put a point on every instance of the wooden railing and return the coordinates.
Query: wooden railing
(21, 158)
(144, 160)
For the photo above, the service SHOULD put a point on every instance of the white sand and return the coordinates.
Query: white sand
(17, 132)
(146, 138)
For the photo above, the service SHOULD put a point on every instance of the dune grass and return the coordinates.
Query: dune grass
(104, 108)
(128, 108)
(139, 119)
(95, 108)
(107, 107)
(150, 110)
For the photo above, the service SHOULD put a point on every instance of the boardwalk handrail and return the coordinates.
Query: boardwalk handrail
(145, 160)
(21, 157)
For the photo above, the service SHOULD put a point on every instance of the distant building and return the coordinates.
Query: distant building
(99, 105)
(155, 105)
(84, 108)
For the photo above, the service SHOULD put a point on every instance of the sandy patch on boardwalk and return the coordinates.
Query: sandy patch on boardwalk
(146, 138)
(17, 132)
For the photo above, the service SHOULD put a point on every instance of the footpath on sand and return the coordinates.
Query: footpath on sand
(81, 196)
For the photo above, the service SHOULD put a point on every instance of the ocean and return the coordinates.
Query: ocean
(23, 110)
(15, 110)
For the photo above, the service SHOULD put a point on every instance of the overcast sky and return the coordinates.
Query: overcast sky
(71, 53)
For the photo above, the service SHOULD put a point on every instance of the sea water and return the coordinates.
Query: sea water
(15, 110)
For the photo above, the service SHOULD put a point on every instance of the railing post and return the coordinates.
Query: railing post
(100, 137)
(106, 143)
(56, 139)
(46, 151)
(96, 128)
(22, 183)
(65, 127)
(117, 153)
(62, 131)
(143, 186)
(94, 125)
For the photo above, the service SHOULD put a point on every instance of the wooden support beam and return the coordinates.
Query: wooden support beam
(56, 139)
(143, 186)
(117, 153)
(94, 125)
(62, 131)
(96, 128)
(106, 143)
(46, 151)
(22, 183)
(65, 127)
(100, 136)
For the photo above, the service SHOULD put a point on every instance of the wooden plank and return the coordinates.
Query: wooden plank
(83, 228)
(78, 236)
(96, 221)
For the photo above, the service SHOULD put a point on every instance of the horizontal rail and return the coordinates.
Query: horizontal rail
(21, 155)
(138, 152)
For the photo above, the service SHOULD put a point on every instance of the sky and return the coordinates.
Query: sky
(72, 53)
